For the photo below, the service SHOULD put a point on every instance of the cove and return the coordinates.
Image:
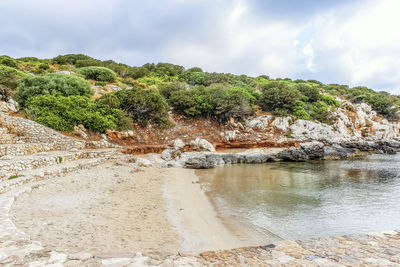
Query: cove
(300, 200)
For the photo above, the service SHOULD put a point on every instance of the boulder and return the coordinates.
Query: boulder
(201, 162)
(260, 123)
(293, 154)
(80, 131)
(337, 152)
(230, 135)
(170, 153)
(141, 162)
(203, 145)
(179, 144)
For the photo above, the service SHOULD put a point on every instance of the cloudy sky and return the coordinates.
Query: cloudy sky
(351, 42)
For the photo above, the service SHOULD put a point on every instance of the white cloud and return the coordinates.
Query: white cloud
(354, 44)
(362, 47)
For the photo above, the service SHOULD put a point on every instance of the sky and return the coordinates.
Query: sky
(354, 42)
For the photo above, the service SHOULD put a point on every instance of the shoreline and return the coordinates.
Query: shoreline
(193, 215)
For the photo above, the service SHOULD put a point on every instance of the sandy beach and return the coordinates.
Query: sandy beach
(119, 209)
(112, 209)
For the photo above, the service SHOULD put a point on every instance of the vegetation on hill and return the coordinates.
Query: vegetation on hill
(148, 92)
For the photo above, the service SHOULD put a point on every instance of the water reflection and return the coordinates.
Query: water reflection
(302, 200)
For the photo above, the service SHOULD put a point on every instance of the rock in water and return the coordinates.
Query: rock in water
(201, 162)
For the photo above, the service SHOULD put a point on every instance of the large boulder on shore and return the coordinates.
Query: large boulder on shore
(202, 161)
(171, 153)
(203, 145)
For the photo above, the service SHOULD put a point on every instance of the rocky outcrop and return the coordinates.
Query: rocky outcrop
(354, 122)
(306, 151)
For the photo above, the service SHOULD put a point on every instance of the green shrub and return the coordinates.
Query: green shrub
(167, 89)
(100, 83)
(300, 112)
(320, 112)
(63, 113)
(8, 61)
(216, 101)
(279, 97)
(70, 59)
(44, 66)
(9, 81)
(234, 102)
(97, 73)
(331, 101)
(311, 92)
(144, 105)
(87, 62)
(53, 84)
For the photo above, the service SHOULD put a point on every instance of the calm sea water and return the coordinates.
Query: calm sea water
(313, 199)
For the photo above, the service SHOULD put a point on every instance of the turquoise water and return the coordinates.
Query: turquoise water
(303, 200)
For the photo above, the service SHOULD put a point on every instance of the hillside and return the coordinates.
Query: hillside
(150, 106)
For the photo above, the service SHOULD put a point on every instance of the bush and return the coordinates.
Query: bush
(8, 61)
(311, 92)
(300, 112)
(144, 106)
(167, 89)
(9, 81)
(279, 96)
(331, 101)
(100, 83)
(320, 112)
(215, 101)
(87, 62)
(53, 84)
(97, 74)
(63, 113)
(70, 59)
(233, 103)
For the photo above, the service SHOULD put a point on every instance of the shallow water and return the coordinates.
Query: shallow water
(291, 200)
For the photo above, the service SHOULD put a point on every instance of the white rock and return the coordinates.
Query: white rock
(82, 256)
(56, 257)
(260, 123)
(179, 144)
(282, 123)
(230, 135)
(203, 144)
(143, 162)
(116, 262)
